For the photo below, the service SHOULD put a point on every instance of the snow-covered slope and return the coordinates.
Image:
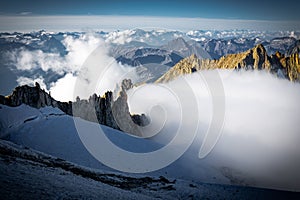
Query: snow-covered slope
(56, 134)
(52, 132)
(29, 174)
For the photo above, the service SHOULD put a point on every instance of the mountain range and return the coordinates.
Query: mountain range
(115, 113)
(151, 52)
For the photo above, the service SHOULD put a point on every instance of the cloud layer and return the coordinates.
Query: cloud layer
(259, 142)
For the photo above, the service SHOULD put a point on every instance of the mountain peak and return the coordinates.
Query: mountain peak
(177, 43)
(187, 65)
(179, 39)
(259, 49)
(193, 57)
(259, 46)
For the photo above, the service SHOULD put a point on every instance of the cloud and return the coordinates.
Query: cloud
(120, 37)
(37, 59)
(78, 51)
(100, 74)
(63, 88)
(86, 62)
(259, 142)
(31, 82)
(80, 48)
(25, 13)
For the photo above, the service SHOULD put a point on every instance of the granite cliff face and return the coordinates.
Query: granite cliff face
(103, 110)
(252, 59)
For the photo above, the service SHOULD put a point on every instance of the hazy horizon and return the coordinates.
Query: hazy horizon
(62, 23)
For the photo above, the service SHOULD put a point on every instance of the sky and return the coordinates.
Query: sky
(228, 13)
(230, 9)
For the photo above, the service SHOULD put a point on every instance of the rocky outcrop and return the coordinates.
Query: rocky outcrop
(96, 109)
(103, 110)
(185, 66)
(252, 59)
(120, 110)
(122, 116)
(34, 97)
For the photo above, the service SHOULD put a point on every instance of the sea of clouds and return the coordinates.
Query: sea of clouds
(257, 140)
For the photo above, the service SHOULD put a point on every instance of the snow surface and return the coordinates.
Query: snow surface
(57, 135)
(29, 174)
(50, 131)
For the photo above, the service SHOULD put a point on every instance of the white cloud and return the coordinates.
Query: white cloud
(80, 48)
(25, 13)
(63, 89)
(87, 62)
(29, 60)
(259, 141)
(78, 51)
(31, 82)
(94, 77)
(120, 37)
(101, 73)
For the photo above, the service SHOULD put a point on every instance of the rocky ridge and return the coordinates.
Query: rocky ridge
(252, 59)
(103, 110)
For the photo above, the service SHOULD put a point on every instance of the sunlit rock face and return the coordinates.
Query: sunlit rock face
(252, 59)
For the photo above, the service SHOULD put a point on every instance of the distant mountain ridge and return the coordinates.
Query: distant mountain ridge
(252, 59)
(222, 47)
(186, 48)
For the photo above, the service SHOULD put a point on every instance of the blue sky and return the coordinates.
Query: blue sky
(173, 14)
(221, 9)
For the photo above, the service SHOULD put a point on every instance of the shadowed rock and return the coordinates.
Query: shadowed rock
(103, 110)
